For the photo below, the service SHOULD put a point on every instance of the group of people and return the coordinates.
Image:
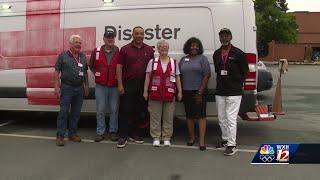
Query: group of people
(131, 81)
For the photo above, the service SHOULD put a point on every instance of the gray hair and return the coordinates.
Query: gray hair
(73, 37)
(161, 42)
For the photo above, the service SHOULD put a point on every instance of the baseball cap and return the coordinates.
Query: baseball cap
(109, 34)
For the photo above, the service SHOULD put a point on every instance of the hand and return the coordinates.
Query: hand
(179, 96)
(198, 98)
(57, 91)
(120, 89)
(86, 91)
(145, 95)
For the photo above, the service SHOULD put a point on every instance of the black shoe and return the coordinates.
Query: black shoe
(136, 139)
(230, 150)
(221, 144)
(190, 143)
(98, 138)
(202, 148)
(122, 142)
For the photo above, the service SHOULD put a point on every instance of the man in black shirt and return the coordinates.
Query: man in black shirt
(231, 67)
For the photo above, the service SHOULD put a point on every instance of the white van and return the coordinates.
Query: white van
(33, 33)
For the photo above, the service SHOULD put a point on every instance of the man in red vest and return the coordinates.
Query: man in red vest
(103, 63)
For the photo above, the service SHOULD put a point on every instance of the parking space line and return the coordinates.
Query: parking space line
(7, 123)
(110, 142)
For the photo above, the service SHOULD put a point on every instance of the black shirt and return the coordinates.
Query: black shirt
(68, 66)
(237, 69)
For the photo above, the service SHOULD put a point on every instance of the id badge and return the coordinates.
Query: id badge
(224, 72)
(186, 59)
(80, 73)
(172, 79)
(97, 56)
(80, 65)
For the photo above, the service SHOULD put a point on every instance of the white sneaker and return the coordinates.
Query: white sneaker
(156, 143)
(166, 143)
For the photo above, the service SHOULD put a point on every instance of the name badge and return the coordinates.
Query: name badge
(187, 59)
(97, 56)
(80, 73)
(224, 72)
(80, 65)
(172, 79)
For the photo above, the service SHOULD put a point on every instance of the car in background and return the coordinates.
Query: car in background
(265, 80)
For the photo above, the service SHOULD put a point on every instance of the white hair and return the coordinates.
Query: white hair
(73, 37)
(161, 42)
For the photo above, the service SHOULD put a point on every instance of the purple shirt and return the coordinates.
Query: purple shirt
(134, 60)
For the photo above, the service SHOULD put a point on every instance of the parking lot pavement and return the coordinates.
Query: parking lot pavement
(28, 149)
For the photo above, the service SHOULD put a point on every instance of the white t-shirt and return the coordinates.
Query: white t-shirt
(164, 67)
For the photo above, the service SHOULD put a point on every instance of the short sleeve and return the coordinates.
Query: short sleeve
(122, 57)
(59, 62)
(205, 66)
(149, 66)
(177, 69)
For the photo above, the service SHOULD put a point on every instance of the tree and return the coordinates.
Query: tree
(283, 5)
(273, 23)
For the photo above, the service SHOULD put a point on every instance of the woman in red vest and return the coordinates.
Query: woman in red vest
(161, 84)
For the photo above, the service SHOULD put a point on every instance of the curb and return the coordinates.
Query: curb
(291, 63)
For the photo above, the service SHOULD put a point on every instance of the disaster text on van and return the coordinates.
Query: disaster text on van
(150, 33)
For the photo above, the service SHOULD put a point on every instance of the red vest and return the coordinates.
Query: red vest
(104, 73)
(162, 85)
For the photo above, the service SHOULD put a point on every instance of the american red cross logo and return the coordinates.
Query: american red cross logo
(36, 48)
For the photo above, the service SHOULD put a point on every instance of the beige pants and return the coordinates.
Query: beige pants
(157, 111)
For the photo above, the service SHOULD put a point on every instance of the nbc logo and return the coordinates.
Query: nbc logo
(267, 154)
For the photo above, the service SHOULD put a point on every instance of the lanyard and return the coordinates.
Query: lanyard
(225, 56)
(77, 60)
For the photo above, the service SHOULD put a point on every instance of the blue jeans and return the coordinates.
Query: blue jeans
(70, 96)
(107, 100)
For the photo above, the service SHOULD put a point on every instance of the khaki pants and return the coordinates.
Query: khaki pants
(157, 111)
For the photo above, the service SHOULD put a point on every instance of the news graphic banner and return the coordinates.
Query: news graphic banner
(287, 154)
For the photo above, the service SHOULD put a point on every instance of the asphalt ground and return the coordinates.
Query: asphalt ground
(28, 151)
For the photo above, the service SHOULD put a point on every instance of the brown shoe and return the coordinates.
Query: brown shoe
(98, 138)
(59, 141)
(113, 136)
(75, 138)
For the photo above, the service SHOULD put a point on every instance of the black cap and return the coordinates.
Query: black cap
(225, 30)
(109, 34)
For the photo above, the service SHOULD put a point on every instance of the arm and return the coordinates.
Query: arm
(92, 59)
(204, 83)
(179, 87)
(207, 74)
(243, 65)
(119, 71)
(146, 86)
(86, 85)
(119, 78)
(56, 83)
(56, 76)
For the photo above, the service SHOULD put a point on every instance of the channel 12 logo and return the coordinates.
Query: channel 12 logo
(283, 153)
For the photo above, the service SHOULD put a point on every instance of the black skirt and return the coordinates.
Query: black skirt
(193, 109)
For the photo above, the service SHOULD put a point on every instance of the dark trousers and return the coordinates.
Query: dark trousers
(133, 108)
